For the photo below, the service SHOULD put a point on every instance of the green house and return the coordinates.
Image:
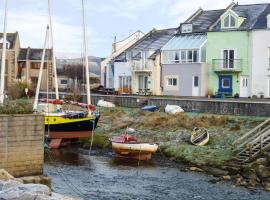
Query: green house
(229, 49)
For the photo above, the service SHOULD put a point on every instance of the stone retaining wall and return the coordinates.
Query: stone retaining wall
(22, 144)
(213, 106)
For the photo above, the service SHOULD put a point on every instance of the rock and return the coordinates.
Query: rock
(4, 175)
(261, 161)
(267, 187)
(241, 182)
(226, 177)
(9, 184)
(263, 172)
(253, 180)
(196, 169)
(217, 172)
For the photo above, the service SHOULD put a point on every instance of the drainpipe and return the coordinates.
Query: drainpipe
(161, 73)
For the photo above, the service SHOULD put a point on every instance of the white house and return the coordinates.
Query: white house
(261, 61)
(107, 68)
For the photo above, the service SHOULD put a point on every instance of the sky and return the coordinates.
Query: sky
(105, 19)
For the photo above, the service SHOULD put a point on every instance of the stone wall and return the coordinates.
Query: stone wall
(22, 144)
(214, 106)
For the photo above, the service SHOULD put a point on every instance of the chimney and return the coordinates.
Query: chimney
(114, 44)
(268, 21)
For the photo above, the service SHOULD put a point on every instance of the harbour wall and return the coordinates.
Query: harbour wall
(22, 144)
(247, 107)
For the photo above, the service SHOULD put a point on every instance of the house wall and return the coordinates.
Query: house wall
(120, 69)
(156, 74)
(185, 73)
(260, 63)
(238, 40)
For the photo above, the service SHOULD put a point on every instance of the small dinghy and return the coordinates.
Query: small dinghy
(151, 108)
(128, 146)
(199, 136)
(173, 109)
(106, 104)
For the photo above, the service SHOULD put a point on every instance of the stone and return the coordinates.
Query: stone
(217, 172)
(263, 172)
(267, 187)
(4, 175)
(241, 182)
(196, 169)
(261, 161)
(226, 177)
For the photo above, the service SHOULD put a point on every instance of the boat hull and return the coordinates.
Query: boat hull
(199, 140)
(139, 151)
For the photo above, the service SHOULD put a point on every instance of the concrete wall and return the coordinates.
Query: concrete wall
(260, 63)
(213, 106)
(185, 73)
(22, 144)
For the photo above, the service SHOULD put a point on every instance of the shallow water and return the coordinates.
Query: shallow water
(107, 177)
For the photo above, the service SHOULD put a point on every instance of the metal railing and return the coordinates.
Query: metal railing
(227, 65)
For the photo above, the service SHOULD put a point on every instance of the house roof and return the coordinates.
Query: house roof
(203, 20)
(192, 41)
(153, 40)
(34, 54)
(254, 14)
(11, 38)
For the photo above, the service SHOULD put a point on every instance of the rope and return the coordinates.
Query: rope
(65, 179)
(92, 138)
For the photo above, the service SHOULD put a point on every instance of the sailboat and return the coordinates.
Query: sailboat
(60, 125)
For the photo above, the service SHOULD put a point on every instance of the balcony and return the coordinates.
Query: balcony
(142, 66)
(227, 65)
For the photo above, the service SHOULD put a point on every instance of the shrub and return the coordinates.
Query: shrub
(16, 107)
(17, 90)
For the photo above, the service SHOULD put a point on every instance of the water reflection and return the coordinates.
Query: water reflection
(118, 161)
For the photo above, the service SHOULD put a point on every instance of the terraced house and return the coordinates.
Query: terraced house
(184, 67)
(24, 63)
(238, 51)
(138, 68)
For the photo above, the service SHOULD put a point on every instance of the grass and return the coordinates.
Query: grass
(172, 132)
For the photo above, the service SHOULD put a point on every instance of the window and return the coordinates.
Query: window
(186, 28)
(180, 56)
(268, 57)
(226, 83)
(196, 81)
(64, 81)
(228, 58)
(171, 82)
(36, 65)
(229, 22)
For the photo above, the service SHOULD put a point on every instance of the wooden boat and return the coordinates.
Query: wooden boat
(199, 136)
(128, 146)
(150, 108)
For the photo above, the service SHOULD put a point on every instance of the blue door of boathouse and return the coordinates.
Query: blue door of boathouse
(225, 85)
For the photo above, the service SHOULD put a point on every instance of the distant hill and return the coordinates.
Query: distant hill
(94, 62)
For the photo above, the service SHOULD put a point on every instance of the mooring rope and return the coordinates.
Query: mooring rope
(64, 178)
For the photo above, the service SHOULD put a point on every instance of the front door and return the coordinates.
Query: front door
(225, 84)
(195, 86)
(244, 82)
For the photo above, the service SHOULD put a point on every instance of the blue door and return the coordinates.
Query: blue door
(225, 84)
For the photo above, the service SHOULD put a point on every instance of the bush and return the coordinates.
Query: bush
(17, 107)
(17, 90)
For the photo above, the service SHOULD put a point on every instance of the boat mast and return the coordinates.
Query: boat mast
(3, 62)
(41, 69)
(85, 46)
(53, 53)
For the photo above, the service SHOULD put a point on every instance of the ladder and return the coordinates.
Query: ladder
(253, 143)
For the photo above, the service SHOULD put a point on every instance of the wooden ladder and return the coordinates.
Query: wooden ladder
(250, 145)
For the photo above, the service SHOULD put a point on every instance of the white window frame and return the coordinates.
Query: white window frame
(222, 57)
(223, 83)
(230, 24)
(171, 87)
(169, 60)
(186, 28)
